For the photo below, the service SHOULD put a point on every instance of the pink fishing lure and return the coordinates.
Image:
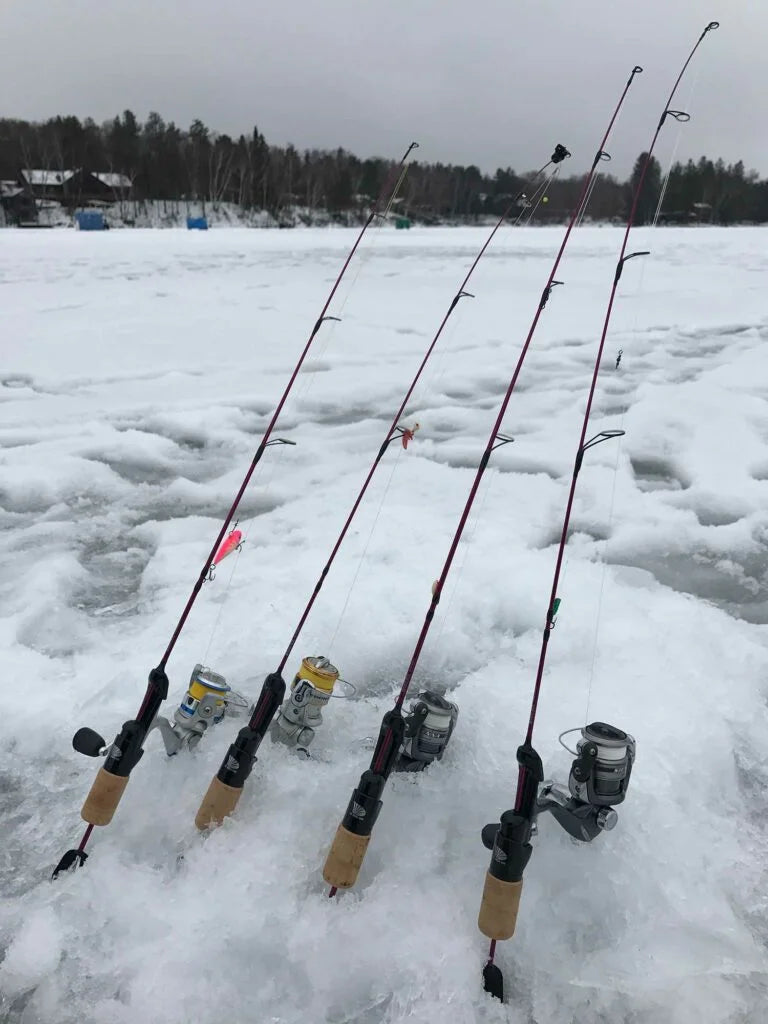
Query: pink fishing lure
(232, 542)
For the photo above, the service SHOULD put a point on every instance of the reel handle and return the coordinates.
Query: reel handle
(345, 858)
(88, 742)
(499, 907)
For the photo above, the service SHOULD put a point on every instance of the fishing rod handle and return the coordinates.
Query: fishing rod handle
(101, 803)
(499, 907)
(218, 803)
(349, 846)
(512, 850)
(122, 757)
(345, 858)
(226, 786)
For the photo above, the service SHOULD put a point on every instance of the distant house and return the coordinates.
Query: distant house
(107, 186)
(49, 184)
(76, 187)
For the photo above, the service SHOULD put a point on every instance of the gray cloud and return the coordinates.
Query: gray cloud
(495, 82)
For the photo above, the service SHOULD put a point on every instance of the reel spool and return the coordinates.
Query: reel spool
(429, 723)
(600, 774)
(598, 780)
(302, 714)
(208, 700)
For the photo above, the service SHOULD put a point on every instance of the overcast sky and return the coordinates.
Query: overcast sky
(491, 82)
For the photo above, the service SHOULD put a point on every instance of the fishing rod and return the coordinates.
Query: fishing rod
(126, 750)
(353, 835)
(604, 755)
(313, 685)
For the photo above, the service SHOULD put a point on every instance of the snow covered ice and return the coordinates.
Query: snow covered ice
(137, 372)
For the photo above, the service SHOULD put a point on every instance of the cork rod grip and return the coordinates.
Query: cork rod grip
(218, 803)
(101, 803)
(345, 858)
(498, 910)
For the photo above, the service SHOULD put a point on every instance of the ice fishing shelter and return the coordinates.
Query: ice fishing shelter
(197, 223)
(90, 220)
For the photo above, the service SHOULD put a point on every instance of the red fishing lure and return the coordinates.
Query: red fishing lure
(233, 542)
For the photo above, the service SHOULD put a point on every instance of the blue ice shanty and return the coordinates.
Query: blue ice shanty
(197, 223)
(90, 220)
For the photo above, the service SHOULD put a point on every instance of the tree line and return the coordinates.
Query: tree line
(166, 162)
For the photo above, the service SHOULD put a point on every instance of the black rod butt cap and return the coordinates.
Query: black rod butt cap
(493, 981)
(71, 859)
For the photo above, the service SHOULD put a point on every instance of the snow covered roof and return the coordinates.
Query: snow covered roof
(9, 189)
(113, 180)
(38, 177)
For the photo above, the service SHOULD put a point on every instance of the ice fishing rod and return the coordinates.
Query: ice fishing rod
(604, 756)
(353, 835)
(126, 750)
(312, 688)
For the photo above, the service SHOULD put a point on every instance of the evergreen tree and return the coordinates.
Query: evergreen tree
(168, 164)
(650, 191)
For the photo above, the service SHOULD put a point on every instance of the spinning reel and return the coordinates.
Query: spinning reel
(302, 713)
(598, 780)
(208, 700)
(429, 723)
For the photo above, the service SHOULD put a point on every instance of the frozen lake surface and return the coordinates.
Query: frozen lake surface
(137, 372)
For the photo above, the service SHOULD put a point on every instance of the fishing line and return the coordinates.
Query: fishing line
(638, 293)
(603, 573)
(427, 384)
(469, 539)
(364, 552)
(459, 572)
(528, 212)
(364, 257)
(587, 201)
(429, 381)
(678, 137)
(268, 477)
